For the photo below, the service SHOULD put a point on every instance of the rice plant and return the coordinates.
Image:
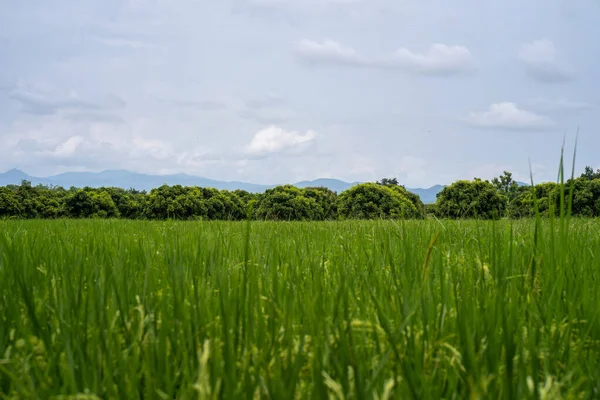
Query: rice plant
(341, 310)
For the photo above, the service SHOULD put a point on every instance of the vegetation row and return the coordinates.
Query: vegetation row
(480, 199)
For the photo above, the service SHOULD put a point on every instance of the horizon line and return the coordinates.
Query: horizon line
(204, 177)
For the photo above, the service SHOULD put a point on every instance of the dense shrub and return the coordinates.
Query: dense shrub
(326, 207)
(89, 203)
(9, 203)
(176, 202)
(287, 203)
(372, 201)
(471, 199)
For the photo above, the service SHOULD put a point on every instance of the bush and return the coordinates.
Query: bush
(286, 203)
(471, 199)
(373, 201)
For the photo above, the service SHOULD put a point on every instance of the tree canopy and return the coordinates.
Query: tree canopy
(373, 201)
(501, 197)
(287, 203)
(471, 199)
(589, 173)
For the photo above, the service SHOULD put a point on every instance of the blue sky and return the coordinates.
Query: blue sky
(272, 91)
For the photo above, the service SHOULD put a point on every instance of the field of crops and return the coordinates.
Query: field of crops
(343, 310)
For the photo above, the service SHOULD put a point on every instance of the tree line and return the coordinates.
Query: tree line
(386, 199)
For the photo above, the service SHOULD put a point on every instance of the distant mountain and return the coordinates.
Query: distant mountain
(124, 179)
(14, 176)
(333, 184)
(127, 179)
(428, 196)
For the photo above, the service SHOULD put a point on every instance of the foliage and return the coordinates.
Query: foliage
(9, 203)
(326, 200)
(373, 201)
(589, 173)
(109, 309)
(547, 195)
(388, 182)
(471, 199)
(502, 197)
(287, 203)
(89, 203)
(586, 197)
(130, 203)
(222, 205)
(506, 185)
(39, 201)
(175, 202)
(393, 184)
(522, 205)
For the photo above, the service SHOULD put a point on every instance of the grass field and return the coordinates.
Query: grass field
(343, 310)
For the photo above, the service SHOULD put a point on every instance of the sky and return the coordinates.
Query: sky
(278, 91)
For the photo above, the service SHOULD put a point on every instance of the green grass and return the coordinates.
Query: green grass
(343, 310)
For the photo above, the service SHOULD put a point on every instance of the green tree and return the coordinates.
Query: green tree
(189, 203)
(326, 202)
(286, 203)
(245, 196)
(548, 198)
(176, 202)
(471, 199)
(80, 204)
(373, 201)
(249, 200)
(586, 197)
(103, 204)
(129, 202)
(29, 199)
(521, 205)
(506, 185)
(91, 203)
(223, 205)
(388, 182)
(42, 201)
(589, 173)
(393, 184)
(9, 203)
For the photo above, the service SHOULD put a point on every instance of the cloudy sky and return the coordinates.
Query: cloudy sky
(273, 91)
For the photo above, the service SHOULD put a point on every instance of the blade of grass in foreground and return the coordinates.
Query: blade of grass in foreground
(137, 309)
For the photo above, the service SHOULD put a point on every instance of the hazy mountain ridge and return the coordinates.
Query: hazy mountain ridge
(127, 179)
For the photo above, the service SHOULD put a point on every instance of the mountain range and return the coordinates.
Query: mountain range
(127, 179)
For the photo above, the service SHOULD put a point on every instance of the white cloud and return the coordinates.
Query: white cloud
(275, 140)
(439, 59)
(44, 144)
(155, 148)
(508, 116)
(36, 101)
(69, 42)
(68, 147)
(45, 100)
(328, 51)
(543, 62)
